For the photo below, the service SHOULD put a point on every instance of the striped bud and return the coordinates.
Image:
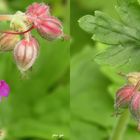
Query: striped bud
(135, 108)
(38, 10)
(50, 28)
(8, 41)
(124, 96)
(25, 53)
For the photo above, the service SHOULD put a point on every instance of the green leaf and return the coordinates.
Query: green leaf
(123, 38)
(87, 23)
(129, 11)
(123, 57)
(115, 55)
(107, 30)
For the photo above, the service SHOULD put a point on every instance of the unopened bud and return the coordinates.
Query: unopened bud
(38, 10)
(133, 77)
(123, 96)
(135, 108)
(25, 53)
(20, 22)
(8, 41)
(50, 28)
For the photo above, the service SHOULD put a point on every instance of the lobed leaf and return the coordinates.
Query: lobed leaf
(124, 37)
(129, 11)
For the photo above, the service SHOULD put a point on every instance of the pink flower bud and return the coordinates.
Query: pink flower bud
(135, 107)
(25, 53)
(37, 10)
(4, 89)
(8, 41)
(50, 28)
(123, 96)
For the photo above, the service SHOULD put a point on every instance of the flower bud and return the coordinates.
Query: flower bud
(25, 53)
(135, 107)
(8, 41)
(123, 96)
(38, 10)
(4, 89)
(50, 28)
(133, 77)
(20, 22)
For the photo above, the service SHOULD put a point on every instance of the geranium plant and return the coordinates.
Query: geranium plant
(123, 40)
(19, 38)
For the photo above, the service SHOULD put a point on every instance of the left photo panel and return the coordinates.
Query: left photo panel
(34, 70)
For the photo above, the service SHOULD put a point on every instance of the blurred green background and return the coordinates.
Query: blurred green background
(93, 86)
(38, 106)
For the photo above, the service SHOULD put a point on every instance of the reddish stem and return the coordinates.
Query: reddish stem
(19, 33)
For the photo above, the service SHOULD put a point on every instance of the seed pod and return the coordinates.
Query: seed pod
(25, 53)
(8, 41)
(135, 107)
(4, 89)
(123, 96)
(50, 28)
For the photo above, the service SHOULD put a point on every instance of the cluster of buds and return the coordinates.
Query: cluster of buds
(129, 96)
(19, 39)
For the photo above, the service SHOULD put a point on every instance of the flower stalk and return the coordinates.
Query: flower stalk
(6, 17)
(121, 126)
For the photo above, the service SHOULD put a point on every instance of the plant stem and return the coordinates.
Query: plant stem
(5, 17)
(120, 127)
(19, 33)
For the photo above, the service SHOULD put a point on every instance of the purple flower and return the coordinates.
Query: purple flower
(4, 89)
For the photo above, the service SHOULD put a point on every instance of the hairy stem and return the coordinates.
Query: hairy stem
(5, 17)
(120, 127)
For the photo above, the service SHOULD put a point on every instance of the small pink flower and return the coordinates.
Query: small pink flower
(25, 53)
(50, 28)
(4, 89)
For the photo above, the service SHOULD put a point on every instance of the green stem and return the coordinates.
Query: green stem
(120, 127)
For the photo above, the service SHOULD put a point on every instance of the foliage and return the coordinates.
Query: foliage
(123, 37)
(121, 53)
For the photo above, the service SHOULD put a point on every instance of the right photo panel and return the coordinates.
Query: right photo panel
(105, 70)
